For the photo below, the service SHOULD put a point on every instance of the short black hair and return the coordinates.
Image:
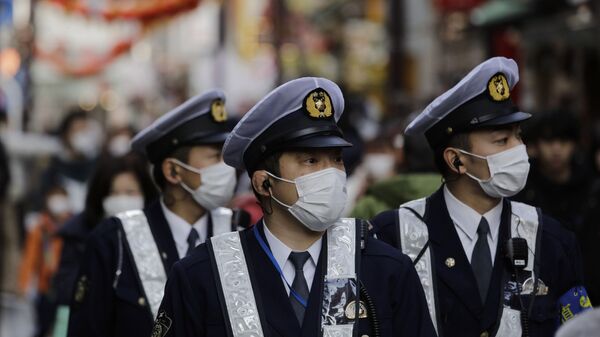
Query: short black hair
(73, 114)
(460, 141)
(181, 153)
(554, 124)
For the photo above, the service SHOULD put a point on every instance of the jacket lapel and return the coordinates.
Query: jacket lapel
(446, 245)
(162, 234)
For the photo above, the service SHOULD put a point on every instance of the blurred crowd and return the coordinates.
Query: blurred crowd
(53, 199)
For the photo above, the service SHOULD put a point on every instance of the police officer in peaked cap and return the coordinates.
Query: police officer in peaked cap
(127, 259)
(489, 266)
(301, 270)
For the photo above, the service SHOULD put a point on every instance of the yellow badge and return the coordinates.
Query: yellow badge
(217, 110)
(498, 88)
(318, 104)
(350, 311)
(81, 289)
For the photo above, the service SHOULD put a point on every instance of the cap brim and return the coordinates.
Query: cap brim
(507, 119)
(319, 141)
(216, 138)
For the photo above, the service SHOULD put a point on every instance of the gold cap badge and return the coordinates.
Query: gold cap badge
(318, 104)
(217, 110)
(498, 88)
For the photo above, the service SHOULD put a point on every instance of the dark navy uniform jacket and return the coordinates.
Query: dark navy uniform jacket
(460, 311)
(192, 308)
(104, 305)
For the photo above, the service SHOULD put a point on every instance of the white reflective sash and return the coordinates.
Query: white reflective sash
(237, 288)
(414, 235)
(146, 256)
(221, 220)
(341, 265)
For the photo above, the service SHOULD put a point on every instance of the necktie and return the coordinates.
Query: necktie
(481, 260)
(299, 285)
(191, 240)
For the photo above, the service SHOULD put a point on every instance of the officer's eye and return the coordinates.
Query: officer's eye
(311, 160)
(502, 141)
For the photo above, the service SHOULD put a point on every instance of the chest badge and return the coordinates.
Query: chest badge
(351, 310)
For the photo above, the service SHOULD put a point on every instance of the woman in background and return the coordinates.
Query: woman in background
(118, 184)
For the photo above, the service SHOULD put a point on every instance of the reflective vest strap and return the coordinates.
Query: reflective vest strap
(341, 277)
(146, 256)
(221, 220)
(414, 237)
(236, 286)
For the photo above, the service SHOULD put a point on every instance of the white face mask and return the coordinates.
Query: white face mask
(217, 185)
(379, 165)
(508, 172)
(119, 145)
(321, 198)
(115, 204)
(59, 204)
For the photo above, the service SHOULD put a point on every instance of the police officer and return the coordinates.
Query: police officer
(123, 272)
(488, 266)
(301, 270)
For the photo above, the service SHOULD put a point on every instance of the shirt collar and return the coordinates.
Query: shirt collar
(467, 219)
(180, 229)
(281, 251)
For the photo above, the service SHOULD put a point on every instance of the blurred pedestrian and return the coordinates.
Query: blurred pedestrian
(41, 257)
(560, 179)
(118, 141)
(82, 138)
(402, 172)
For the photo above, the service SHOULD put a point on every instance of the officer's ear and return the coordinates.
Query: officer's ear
(454, 161)
(171, 171)
(261, 183)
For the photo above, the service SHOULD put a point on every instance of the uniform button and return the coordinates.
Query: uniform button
(484, 334)
(141, 301)
(164, 255)
(364, 336)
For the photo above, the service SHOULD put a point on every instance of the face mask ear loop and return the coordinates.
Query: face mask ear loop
(277, 200)
(185, 166)
(280, 179)
(479, 180)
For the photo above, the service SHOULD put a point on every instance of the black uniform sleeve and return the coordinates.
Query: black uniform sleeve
(92, 303)
(179, 314)
(385, 227)
(411, 315)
